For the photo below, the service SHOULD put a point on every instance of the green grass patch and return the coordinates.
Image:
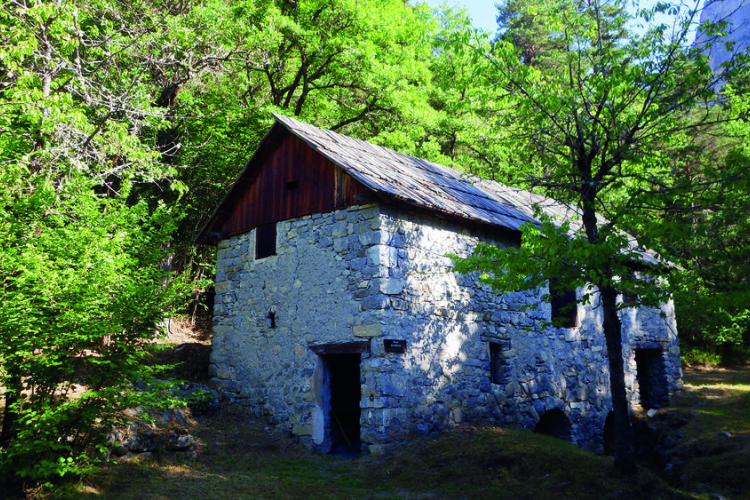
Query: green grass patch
(715, 449)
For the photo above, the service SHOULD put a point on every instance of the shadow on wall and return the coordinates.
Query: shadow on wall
(609, 434)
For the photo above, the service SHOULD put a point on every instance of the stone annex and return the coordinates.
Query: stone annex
(339, 317)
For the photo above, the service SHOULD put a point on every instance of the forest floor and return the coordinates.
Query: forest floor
(707, 455)
(712, 451)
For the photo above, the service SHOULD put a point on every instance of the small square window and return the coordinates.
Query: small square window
(564, 306)
(265, 241)
(498, 364)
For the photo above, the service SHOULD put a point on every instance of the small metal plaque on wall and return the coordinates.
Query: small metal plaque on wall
(397, 346)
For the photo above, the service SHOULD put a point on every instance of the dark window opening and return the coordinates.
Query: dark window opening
(629, 299)
(344, 411)
(498, 364)
(651, 377)
(564, 306)
(265, 241)
(271, 319)
(609, 434)
(556, 424)
(292, 185)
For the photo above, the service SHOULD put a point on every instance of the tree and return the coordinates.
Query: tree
(601, 115)
(708, 232)
(82, 280)
(333, 63)
(522, 23)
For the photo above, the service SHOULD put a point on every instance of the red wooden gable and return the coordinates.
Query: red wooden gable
(285, 179)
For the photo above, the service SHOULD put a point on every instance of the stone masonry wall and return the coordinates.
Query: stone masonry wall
(376, 273)
(449, 320)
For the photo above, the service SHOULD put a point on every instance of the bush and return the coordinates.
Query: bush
(83, 288)
(696, 356)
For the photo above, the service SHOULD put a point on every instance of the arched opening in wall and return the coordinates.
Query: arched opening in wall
(556, 424)
(609, 434)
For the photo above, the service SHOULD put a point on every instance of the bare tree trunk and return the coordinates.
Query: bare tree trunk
(10, 416)
(624, 450)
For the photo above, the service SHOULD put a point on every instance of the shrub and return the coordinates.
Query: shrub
(82, 288)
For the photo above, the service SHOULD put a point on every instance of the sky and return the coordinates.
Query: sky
(482, 12)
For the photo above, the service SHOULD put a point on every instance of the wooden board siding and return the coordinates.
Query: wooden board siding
(290, 181)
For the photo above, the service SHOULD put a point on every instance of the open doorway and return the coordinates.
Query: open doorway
(343, 410)
(651, 377)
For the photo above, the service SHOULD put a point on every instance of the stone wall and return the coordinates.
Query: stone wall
(376, 273)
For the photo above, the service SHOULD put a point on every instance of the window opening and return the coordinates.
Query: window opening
(564, 305)
(265, 241)
(498, 364)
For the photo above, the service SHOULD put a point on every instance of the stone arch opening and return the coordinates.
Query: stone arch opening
(609, 433)
(556, 424)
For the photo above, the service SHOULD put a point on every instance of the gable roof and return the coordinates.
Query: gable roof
(427, 185)
(412, 180)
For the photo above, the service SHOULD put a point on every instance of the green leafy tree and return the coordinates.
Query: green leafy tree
(82, 280)
(523, 24)
(601, 117)
(708, 232)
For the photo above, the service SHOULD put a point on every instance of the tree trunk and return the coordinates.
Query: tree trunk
(624, 451)
(12, 394)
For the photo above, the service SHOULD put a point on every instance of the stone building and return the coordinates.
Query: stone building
(339, 316)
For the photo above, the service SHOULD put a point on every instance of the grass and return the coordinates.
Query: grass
(237, 457)
(512, 463)
(715, 443)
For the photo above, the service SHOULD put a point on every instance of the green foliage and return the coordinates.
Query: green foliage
(628, 120)
(83, 280)
(696, 356)
(712, 240)
(123, 123)
(83, 291)
(608, 113)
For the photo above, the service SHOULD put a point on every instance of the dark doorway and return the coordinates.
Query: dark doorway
(609, 434)
(556, 424)
(344, 412)
(652, 381)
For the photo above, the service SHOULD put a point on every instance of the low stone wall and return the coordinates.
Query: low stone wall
(371, 273)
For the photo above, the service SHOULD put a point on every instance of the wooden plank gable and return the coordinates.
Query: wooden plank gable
(286, 179)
